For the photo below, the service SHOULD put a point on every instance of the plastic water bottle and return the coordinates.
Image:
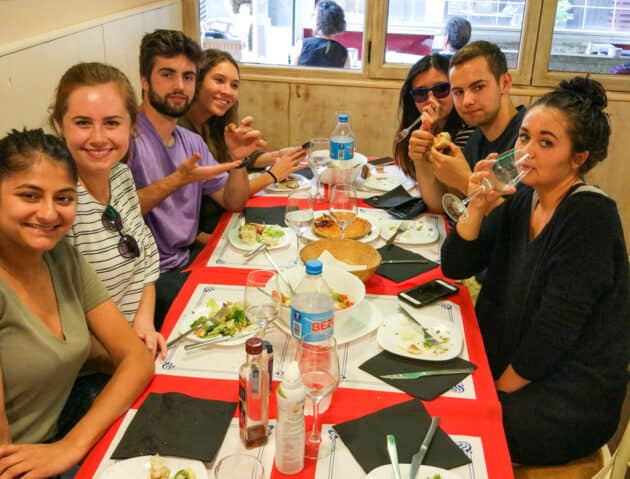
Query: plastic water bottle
(290, 432)
(342, 140)
(312, 306)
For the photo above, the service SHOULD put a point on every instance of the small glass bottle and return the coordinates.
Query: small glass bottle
(268, 358)
(253, 391)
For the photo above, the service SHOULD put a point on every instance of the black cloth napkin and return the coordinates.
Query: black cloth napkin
(409, 422)
(305, 172)
(395, 197)
(272, 215)
(175, 424)
(402, 272)
(426, 388)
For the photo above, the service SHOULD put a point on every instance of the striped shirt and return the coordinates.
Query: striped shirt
(124, 278)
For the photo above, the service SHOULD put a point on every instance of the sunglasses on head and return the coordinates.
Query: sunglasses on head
(441, 90)
(127, 246)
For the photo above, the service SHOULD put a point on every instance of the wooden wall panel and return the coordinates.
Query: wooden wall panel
(268, 103)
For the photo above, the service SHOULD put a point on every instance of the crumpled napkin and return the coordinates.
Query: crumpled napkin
(329, 261)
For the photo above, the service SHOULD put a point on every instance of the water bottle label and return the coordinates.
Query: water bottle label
(311, 327)
(341, 151)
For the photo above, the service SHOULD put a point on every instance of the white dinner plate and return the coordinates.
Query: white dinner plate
(140, 467)
(362, 320)
(280, 187)
(424, 472)
(402, 336)
(187, 320)
(236, 241)
(371, 236)
(420, 231)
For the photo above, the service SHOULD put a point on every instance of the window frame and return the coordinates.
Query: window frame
(531, 71)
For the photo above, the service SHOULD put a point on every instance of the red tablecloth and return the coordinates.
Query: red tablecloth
(480, 417)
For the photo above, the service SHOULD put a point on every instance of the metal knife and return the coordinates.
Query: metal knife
(404, 261)
(218, 339)
(421, 374)
(214, 319)
(418, 457)
(277, 268)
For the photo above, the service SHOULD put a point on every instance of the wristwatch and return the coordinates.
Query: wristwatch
(247, 161)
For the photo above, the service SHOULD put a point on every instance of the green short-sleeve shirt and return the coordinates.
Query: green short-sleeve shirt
(38, 368)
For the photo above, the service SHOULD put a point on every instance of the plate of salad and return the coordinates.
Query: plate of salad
(247, 236)
(230, 322)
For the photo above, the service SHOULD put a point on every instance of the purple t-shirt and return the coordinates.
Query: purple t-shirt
(174, 222)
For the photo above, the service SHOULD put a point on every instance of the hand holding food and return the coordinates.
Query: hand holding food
(442, 142)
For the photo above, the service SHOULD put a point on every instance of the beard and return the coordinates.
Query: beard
(162, 105)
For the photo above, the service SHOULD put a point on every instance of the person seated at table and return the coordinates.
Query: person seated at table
(214, 107)
(51, 301)
(426, 92)
(94, 113)
(322, 50)
(480, 86)
(553, 310)
(171, 166)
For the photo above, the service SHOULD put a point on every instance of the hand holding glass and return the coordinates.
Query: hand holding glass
(319, 366)
(318, 159)
(261, 305)
(299, 215)
(343, 206)
(506, 172)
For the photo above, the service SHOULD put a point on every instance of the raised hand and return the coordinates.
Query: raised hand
(189, 171)
(288, 162)
(420, 144)
(452, 170)
(243, 140)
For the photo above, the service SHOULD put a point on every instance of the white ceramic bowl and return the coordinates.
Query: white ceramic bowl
(337, 171)
(338, 280)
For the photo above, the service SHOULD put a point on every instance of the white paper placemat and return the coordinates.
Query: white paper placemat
(339, 463)
(223, 362)
(231, 445)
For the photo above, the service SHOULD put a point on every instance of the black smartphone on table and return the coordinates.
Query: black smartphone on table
(427, 293)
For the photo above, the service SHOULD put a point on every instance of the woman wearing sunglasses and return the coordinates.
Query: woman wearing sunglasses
(426, 92)
(214, 108)
(94, 112)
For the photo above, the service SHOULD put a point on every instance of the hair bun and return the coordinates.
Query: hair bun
(587, 89)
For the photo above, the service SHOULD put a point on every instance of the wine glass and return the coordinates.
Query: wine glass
(262, 306)
(505, 173)
(319, 367)
(239, 466)
(299, 215)
(318, 159)
(343, 206)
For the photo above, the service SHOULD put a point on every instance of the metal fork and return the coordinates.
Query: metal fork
(427, 335)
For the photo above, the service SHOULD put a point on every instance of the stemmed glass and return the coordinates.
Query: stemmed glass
(319, 366)
(318, 159)
(505, 173)
(299, 215)
(262, 306)
(343, 206)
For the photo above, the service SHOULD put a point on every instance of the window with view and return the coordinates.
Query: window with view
(591, 36)
(273, 32)
(417, 27)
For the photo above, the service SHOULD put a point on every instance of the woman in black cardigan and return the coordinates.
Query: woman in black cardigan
(553, 310)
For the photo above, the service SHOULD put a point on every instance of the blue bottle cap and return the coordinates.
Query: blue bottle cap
(343, 118)
(314, 266)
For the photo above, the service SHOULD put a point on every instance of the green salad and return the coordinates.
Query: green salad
(228, 324)
(255, 233)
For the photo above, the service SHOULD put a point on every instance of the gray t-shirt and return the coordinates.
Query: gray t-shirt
(38, 368)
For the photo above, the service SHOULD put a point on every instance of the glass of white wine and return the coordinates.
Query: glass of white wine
(299, 215)
(343, 205)
(506, 171)
(318, 159)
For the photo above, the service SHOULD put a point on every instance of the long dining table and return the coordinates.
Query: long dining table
(470, 412)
